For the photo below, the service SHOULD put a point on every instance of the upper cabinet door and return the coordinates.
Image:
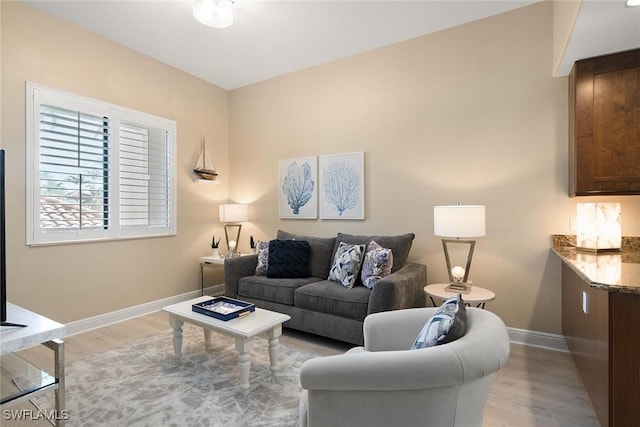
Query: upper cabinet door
(604, 125)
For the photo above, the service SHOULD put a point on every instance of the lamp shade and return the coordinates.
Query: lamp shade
(233, 213)
(598, 226)
(459, 221)
(214, 13)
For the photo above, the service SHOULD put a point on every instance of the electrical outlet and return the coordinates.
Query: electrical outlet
(572, 224)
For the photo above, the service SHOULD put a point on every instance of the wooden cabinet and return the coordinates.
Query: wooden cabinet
(604, 125)
(602, 331)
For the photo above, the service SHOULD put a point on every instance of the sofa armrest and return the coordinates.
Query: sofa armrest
(235, 269)
(401, 289)
(394, 330)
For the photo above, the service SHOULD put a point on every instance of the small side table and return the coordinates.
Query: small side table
(477, 295)
(208, 261)
(211, 261)
(39, 330)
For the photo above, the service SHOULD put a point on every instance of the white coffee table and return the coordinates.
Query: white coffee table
(243, 329)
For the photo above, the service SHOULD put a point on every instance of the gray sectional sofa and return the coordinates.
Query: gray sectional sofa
(324, 307)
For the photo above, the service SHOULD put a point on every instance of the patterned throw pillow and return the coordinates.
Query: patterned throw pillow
(346, 264)
(448, 324)
(376, 265)
(263, 259)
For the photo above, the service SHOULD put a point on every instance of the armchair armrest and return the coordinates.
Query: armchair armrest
(235, 269)
(479, 353)
(401, 289)
(383, 370)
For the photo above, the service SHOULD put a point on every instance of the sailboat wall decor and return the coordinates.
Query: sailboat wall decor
(203, 168)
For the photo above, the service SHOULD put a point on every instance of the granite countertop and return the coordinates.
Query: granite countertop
(609, 271)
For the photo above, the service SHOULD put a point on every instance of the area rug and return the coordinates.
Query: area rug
(141, 384)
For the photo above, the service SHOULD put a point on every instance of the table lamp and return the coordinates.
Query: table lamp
(233, 214)
(598, 227)
(456, 222)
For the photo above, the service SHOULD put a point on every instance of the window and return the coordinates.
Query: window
(96, 171)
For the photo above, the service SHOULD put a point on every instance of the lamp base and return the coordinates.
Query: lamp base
(598, 251)
(458, 288)
(227, 227)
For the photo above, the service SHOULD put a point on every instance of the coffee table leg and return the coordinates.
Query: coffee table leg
(207, 338)
(274, 343)
(243, 345)
(176, 324)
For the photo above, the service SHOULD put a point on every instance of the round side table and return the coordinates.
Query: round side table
(477, 295)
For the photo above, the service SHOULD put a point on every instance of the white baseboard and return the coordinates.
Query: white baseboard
(118, 316)
(553, 342)
(518, 336)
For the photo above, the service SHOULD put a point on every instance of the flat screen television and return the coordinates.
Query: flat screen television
(3, 249)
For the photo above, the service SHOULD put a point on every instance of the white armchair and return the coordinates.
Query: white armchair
(385, 383)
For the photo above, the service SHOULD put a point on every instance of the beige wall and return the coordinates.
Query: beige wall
(73, 282)
(470, 114)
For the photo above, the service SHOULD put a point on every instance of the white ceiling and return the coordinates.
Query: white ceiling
(271, 38)
(602, 26)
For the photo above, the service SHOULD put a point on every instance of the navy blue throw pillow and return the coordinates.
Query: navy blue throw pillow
(288, 258)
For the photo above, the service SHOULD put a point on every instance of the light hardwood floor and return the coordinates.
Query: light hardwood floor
(536, 388)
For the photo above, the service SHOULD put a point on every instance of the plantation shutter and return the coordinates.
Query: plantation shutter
(74, 170)
(144, 177)
(97, 171)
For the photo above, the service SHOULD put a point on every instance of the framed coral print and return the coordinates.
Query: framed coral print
(299, 188)
(341, 192)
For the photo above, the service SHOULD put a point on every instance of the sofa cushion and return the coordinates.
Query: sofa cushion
(332, 298)
(447, 324)
(346, 264)
(399, 245)
(263, 259)
(321, 252)
(288, 258)
(376, 264)
(274, 290)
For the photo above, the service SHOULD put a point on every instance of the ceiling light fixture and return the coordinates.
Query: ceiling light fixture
(214, 13)
(633, 3)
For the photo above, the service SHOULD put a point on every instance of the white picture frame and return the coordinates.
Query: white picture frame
(298, 188)
(341, 191)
